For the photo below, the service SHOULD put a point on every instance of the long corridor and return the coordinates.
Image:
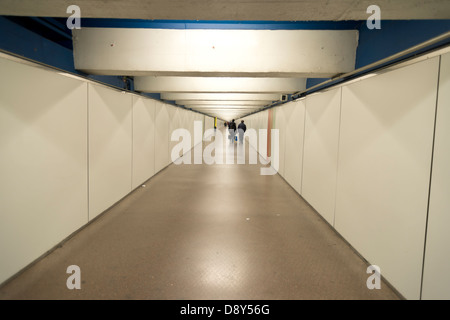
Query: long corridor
(203, 232)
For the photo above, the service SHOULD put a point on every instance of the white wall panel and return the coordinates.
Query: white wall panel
(293, 152)
(251, 124)
(436, 279)
(189, 118)
(321, 151)
(197, 140)
(384, 170)
(43, 162)
(143, 140)
(161, 136)
(280, 123)
(261, 123)
(196, 117)
(175, 122)
(254, 121)
(209, 122)
(110, 147)
(262, 119)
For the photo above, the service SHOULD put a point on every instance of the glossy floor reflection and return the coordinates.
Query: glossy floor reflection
(204, 232)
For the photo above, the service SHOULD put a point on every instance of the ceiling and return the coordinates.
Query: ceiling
(223, 73)
(247, 10)
(212, 61)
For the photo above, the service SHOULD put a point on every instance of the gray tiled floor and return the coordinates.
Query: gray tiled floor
(204, 232)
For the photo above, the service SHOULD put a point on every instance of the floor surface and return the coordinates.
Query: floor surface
(214, 232)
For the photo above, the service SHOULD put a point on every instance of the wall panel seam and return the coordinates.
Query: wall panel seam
(87, 153)
(303, 147)
(431, 176)
(337, 156)
(132, 142)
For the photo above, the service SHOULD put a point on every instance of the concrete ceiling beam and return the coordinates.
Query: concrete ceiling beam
(219, 84)
(219, 53)
(222, 103)
(221, 96)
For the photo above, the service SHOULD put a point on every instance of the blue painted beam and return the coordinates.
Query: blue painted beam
(395, 36)
(230, 25)
(21, 41)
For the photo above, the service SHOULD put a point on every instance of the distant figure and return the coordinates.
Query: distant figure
(232, 130)
(241, 128)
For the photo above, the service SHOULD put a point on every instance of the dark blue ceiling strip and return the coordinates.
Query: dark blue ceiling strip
(51, 26)
(231, 25)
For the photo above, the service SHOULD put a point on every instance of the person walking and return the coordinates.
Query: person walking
(241, 128)
(232, 130)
